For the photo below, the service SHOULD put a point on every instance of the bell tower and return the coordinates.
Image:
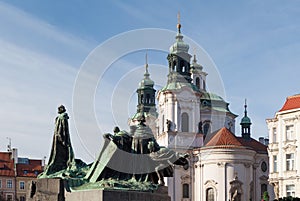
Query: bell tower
(179, 101)
(146, 101)
(246, 124)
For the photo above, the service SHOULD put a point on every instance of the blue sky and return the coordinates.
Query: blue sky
(254, 44)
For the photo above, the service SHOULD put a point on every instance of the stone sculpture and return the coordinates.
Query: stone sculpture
(127, 161)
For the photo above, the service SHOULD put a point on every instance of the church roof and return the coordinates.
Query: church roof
(179, 85)
(292, 102)
(253, 144)
(224, 138)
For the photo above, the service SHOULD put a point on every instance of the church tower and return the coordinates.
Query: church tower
(246, 124)
(198, 75)
(146, 101)
(179, 100)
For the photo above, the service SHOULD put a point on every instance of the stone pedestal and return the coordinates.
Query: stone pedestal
(54, 190)
(46, 189)
(114, 195)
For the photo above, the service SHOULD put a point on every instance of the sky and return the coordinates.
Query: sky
(250, 49)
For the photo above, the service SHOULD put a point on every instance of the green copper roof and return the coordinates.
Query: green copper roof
(195, 66)
(179, 45)
(146, 82)
(146, 114)
(245, 119)
(179, 85)
(211, 96)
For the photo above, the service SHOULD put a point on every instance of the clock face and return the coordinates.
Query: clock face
(264, 166)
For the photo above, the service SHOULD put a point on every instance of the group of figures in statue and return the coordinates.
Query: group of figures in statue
(125, 156)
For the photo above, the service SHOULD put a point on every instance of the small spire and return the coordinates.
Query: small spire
(146, 63)
(178, 22)
(245, 107)
(194, 53)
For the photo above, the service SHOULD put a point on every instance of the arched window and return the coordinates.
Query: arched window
(185, 122)
(148, 98)
(210, 194)
(185, 191)
(204, 85)
(198, 82)
(182, 66)
(174, 65)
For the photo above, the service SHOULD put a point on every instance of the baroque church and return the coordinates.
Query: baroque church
(185, 117)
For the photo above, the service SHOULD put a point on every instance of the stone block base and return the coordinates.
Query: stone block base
(54, 190)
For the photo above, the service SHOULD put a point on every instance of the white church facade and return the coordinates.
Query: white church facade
(189, 119)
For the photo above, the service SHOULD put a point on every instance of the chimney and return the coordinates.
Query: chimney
(261, 140)
(14, 155)
(266, 141)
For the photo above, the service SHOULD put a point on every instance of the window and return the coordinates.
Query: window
(289, 132)
(264, 166)
(290, 162)
(185, 191)
(9, 183)
(210, 194)
(263, 188)
(185, 122)
(22, 185)
(275, 163)
(198, 82)
(0, 183)
(290, 190)
(274, 135)
(22, 198)
(9, 197)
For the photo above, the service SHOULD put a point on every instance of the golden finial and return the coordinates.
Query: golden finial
(178, 22)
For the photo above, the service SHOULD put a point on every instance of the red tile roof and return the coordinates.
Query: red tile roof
(253, 144)
(223, 138)
(292, 102)
(6, 164)
(32, 169)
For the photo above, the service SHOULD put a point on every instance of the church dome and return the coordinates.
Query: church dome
(246, 120)
(179, 45)
(146, 82)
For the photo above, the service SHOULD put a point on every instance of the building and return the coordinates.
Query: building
(15, 174)
(222, 166)
(7, 176)
(284, 148)
(27, 171)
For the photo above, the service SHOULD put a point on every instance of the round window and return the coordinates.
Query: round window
(264, 166)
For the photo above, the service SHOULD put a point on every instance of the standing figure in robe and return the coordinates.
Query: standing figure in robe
(62, 155)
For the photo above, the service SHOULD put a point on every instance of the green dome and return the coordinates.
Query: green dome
(179, 45)
(146, 82)
(245, 120)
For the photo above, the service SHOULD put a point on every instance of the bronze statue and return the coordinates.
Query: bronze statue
(62, 156)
